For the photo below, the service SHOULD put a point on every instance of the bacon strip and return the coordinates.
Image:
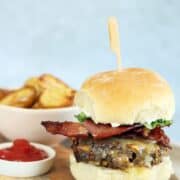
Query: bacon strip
(156, 134)
(159, 136)
(100, 131)
(70, 129)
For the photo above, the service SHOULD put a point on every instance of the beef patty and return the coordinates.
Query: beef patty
(118, 153)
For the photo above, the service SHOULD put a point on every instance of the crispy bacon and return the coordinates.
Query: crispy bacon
(159, 136)
(100, 131)
(156, 134)
(70, 129)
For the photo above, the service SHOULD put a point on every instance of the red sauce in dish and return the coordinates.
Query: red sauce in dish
(22, 151)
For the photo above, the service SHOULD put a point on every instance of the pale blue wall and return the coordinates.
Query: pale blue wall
(70, 39)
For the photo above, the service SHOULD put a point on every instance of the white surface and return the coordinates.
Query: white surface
(26, 123)
(27, 169)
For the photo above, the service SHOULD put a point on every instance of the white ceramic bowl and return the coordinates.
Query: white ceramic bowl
(27, 169)
(26, 123)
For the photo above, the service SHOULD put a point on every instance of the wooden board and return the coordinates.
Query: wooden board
(61, 169)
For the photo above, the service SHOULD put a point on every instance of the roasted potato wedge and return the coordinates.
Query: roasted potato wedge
(3, 93)
(37, 105)
(35, 83)
(49, 81)
(55, 97)
(45, 91)
(56, 93)
(24, 97)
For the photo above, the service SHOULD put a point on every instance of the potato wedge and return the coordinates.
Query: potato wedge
(37, 105)
(45, 91)
(35, 83)
(55, 97)
(3, 93)
(52, 92)
(23, 97)
(49, 81)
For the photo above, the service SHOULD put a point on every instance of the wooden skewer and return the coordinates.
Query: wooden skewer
(114, 39)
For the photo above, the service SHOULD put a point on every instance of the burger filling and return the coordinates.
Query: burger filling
(118, 153)
(122, 147)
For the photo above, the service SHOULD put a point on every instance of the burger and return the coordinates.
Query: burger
(120, 134)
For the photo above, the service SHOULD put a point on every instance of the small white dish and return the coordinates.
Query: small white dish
(27, 169)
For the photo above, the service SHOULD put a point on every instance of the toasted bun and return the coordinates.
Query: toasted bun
(84, 171)
(128, 96)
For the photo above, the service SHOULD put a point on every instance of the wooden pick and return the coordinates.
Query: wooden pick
(114, 39)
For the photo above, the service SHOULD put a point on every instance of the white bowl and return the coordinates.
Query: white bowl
(26, 123)
(27, 169)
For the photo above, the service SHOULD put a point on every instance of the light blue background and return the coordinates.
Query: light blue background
(70, 40)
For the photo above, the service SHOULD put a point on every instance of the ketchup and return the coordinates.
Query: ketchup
(22, 151)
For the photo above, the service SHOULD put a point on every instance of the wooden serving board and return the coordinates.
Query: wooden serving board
(61, 170)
